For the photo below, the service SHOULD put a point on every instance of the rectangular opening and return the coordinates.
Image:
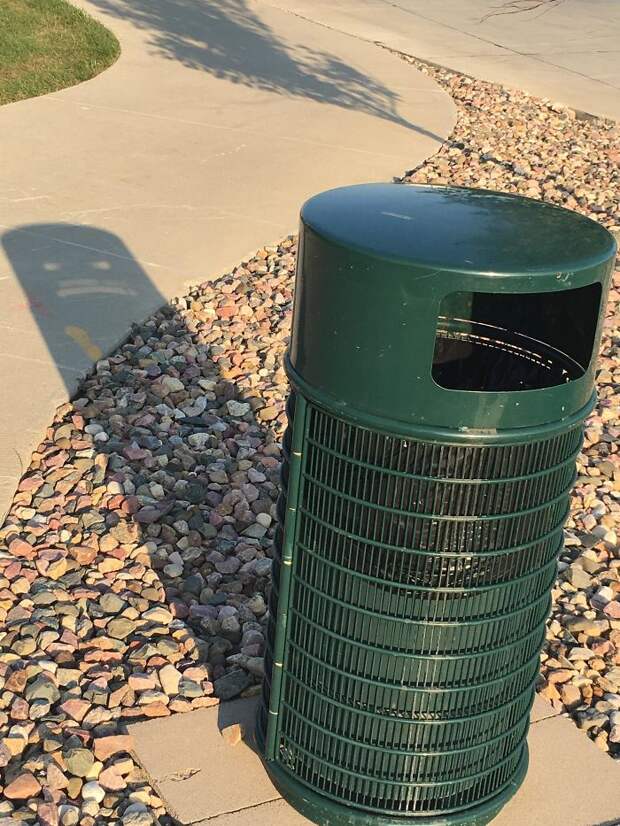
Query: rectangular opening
(499, 342)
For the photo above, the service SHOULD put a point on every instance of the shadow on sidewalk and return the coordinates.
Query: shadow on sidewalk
(141, 532)
(82, 286)
(227, 39)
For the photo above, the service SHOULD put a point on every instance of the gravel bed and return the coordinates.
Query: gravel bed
(135, 560)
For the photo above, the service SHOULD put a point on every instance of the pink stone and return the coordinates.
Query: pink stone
(76, 709)
(12, 570)
(20, 709)
(30, 483)
(47, 814)
(141, 682)
(111, 780)
(19, 547)
(24, 786)
(105, 747)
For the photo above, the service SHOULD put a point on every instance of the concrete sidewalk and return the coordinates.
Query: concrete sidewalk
(568, 51)
(205, 781)
(196, 148)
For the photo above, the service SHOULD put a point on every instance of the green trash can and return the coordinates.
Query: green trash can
(441, 365)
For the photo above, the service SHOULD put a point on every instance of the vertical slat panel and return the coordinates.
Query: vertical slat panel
(420, 587)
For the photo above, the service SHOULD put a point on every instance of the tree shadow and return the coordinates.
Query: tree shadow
(229, 41)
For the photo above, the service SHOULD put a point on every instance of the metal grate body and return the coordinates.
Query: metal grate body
(419, 591)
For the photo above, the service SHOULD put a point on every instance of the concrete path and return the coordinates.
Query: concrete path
(569, 781)
(195, 149)
(566, 50)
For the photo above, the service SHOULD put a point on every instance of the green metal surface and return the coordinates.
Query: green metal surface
(325, 812)
(377, 260)
(293, 469)
(419, 523)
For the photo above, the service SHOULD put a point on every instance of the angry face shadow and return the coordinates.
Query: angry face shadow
(83, 288)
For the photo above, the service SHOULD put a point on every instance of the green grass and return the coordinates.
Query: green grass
(46, 45)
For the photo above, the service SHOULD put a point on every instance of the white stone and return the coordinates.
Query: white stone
(93, 791)
(236, 408)
(170, 677)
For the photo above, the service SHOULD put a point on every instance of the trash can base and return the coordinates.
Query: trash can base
(324, 812)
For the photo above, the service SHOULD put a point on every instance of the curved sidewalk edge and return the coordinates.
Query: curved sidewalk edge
(196, 147)
(566, 52)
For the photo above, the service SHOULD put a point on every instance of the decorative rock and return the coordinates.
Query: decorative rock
(111, 780)
(158, 615)
(111, 603)
(42, 689)
(74, 787)
(237, 409)
(142, 682)
(24, 786)
(69, 815)
(105, 747)
(578, 577)
(20, 548)
(230, 565)
(188, 688)
(5, 755)
(590, 719)
(79, 761)
(570, 695)
(120, 628)
(262, 567)
(90, 809)
(602, 597)
(47, 814)
(232, 735)
(55, 778)
(137, 816)
(580, 654)
(232, 684)
(93, 791)
(15, 742)
(149, 515)
(169, 678)
(577, 624)
(172, 385)
(77, 709)
(152, 696)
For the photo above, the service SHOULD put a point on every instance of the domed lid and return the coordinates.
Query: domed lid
(457, 229)
(439, 307)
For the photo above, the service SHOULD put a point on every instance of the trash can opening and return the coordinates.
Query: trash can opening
(499, 342)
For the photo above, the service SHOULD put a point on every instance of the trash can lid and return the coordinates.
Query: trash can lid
(457, 229)
(444, 308)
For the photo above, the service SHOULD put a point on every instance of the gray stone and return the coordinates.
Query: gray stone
(79, 761)
(578, 577)
(232, 684)
(237, 409)
(111, 603)
(42, 689)
(120, 628)
(262, 567)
